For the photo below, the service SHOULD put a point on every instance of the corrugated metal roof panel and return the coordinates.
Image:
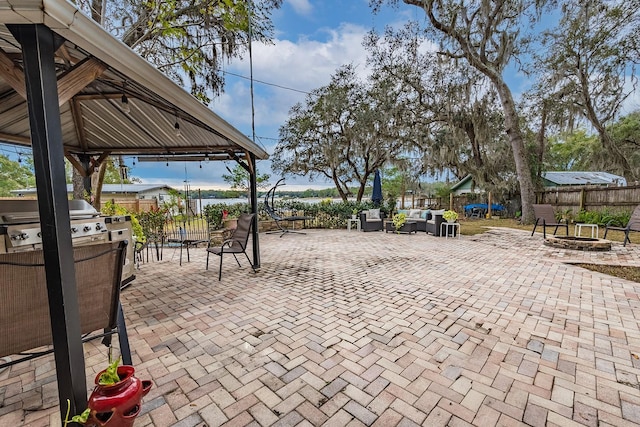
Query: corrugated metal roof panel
(583, 178)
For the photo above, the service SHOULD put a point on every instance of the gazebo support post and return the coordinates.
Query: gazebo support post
(39, 44)
(253, 182)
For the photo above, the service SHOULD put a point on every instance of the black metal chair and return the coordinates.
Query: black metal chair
(632, 225)
(236, 244)
(546, 217)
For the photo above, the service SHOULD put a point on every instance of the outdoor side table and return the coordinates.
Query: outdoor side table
(450, 228)
(578, 230)
(350, 220)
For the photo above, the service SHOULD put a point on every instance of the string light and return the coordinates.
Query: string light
(126, 108)
(125, 104)
(176, 127)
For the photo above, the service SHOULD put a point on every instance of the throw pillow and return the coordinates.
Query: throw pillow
(424, 214)
(438, 212)
(374, 214)
(414, 213)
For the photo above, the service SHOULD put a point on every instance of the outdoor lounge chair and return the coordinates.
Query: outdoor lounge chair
(236, 244)
(546, 217)
(24, 306)
(279, 219)
(632, 225)
(372, 220)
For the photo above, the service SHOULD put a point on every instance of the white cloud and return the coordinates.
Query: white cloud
(303, 65)
(301, 7)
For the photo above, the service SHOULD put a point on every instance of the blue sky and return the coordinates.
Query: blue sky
(312, 39)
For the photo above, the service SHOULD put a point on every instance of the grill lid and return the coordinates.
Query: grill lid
(23, 211)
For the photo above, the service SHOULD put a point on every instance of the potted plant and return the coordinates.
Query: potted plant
(354, 213)
(399, 220)
(116, 398)
(450, 216)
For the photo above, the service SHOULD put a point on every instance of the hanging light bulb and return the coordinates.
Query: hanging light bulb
(176, 127)
(126, 108)
(134, 161)
(200, 165)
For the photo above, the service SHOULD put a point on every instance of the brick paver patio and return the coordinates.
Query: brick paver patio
(378, 329)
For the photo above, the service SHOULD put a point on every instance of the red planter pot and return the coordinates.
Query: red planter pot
(117, 405)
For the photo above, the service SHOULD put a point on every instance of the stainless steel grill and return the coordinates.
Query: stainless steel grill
(20, 229)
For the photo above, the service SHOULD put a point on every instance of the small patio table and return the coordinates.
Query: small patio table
(408, 227)
(450, 228)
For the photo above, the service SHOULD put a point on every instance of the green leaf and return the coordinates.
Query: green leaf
(110, 375)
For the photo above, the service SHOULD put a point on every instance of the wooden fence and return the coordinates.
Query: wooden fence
(591, 198)
(135, 205)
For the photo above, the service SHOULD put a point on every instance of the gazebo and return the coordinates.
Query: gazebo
(70, 89)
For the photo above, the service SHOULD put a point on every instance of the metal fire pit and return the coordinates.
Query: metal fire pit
(578, 243)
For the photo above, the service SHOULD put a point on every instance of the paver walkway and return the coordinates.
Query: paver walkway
(378, 329)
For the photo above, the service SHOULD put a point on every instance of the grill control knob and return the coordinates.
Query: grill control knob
(39, 234)
(74, 230)
(98, 226)
(20, 236)
(86, 228)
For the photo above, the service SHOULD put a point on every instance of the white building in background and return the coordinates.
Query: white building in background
(157, 192)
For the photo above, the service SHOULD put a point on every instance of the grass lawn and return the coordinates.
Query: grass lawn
(478, 226)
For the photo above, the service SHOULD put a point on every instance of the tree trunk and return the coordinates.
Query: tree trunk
(541, 139)
(78, 185)
(527, 193)
(97, 179)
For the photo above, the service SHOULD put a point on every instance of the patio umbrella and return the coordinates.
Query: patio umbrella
(377, 189)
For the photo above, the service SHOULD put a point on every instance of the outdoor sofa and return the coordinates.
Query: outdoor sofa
(427, 220)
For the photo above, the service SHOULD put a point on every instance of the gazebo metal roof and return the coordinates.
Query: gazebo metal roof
(95, 70)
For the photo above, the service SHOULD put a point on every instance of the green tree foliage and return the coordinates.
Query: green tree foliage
(571, 151)
(626, 135)
(14, 175)
(238, 179)
(118, 174)
(188, 40)
(450, 114)
(589, 68)
(343, 132)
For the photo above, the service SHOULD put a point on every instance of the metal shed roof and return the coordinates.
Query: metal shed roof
(583, 178)
(94, 71)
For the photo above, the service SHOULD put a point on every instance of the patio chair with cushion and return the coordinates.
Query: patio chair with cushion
(371, 220)
(546, 217)
(632, 225)
(236, 244)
